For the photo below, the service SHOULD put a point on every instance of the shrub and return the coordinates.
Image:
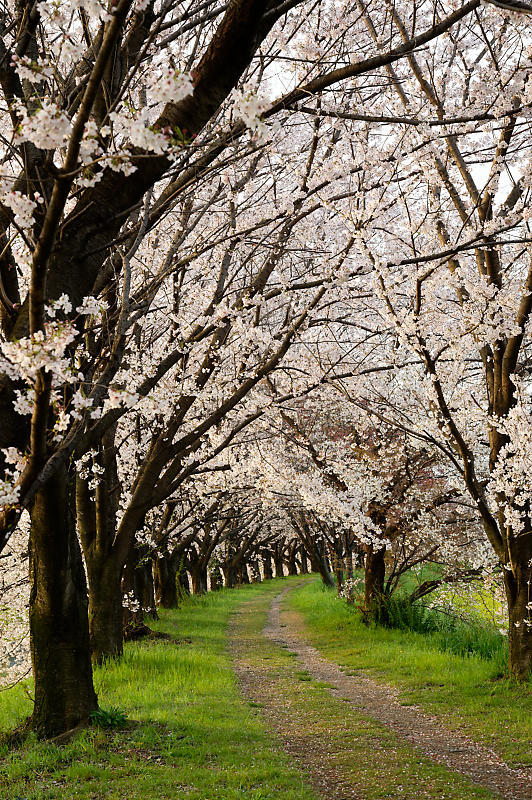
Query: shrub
(463, 635)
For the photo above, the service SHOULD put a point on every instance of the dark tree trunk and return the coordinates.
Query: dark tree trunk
(230, 575)
(267, 567)
(291, 561)
(349, 577)
(216, 579)
(105, 609)
(137, 584)
(518, 585)
(58, 612)
(322, 567)
(199, 579)
(165, 581)
(96, 517)
(183, 582)
(374, 578)
(279, 565)
(339, 575)
(146, 587)
(243, 575)
(255, 571)
(320, 564)
(304, 561)
(338, 568)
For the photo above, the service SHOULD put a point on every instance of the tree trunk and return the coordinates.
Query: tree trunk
(229, 575)
(243, 575)
(304, 561)
(145, 587)
(323, 568)
(255, 571)
(183, 582)
(165, 581)
(374, 578)
(320, 564)
(137, 584)
(349, 578)
(267, 567)
(279, 565)
(58, 612)
(199, 579)
(96, 519)
(518, 585)
(339, 575)
(291, 561)
(105, 609)
(338, 569)
(216, 579)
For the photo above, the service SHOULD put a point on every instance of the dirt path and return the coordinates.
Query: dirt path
(366, 700)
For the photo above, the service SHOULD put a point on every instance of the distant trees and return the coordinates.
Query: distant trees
(360, 495)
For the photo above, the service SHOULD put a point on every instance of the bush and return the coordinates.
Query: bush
(462, 635)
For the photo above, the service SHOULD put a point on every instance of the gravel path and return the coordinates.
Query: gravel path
(480, 764)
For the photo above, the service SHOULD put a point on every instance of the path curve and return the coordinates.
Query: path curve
(378, 701)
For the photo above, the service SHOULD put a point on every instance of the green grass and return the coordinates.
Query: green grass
(191, 737)
(194, 738)
(347, 748)
(462, 631)
(487, 604)
(466, 692)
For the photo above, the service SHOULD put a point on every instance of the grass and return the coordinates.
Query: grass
(463, 632)
(352, 754)
(193, 732)
(467, 692)
(190, 736)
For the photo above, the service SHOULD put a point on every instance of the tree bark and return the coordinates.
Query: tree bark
(338, 568)
(165, 580)
(374, 578)
(518, 585)
(291, 559)
(323, 568)
(96, 518)
(319, 563)
(339, 575)
(105, 610)
(279, 565)
(183, 583)
(243, 575)
(229, 575)
(199, 579)
(349, 577)
(58, 611)
(255, 571)
(137, 583)
(267, 567)
(315, 551)
(216, 579)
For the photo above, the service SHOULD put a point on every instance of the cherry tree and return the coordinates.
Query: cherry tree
(445, 230)
(367, 494)
(99, 150)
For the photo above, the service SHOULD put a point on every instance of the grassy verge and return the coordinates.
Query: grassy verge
(346, 753)
(194, 738)
(461, 631)
(466, 692)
